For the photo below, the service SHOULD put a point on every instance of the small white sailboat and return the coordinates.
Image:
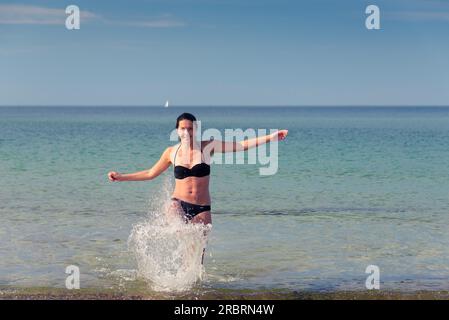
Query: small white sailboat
(166, 104)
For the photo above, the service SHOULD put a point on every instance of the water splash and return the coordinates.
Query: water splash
(167, 250)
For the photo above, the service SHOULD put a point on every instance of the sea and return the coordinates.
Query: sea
(356, 193)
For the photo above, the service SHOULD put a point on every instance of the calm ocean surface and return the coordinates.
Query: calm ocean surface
(354, 187)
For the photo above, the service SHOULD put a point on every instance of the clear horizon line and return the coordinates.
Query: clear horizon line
(228, 106)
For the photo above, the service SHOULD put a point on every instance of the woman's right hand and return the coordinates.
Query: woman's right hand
(114, 176)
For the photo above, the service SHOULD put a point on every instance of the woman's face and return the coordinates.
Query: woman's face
(185, 129)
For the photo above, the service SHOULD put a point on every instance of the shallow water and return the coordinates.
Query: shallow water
(354, 187)
(168, 252)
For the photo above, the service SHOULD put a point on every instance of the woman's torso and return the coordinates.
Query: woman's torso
(193, 189)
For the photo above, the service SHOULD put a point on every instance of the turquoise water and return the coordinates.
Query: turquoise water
(354, 187)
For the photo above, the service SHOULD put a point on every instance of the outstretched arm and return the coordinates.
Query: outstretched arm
(223, 146)
(156, 170)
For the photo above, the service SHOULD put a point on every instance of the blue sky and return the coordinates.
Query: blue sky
(217, 52)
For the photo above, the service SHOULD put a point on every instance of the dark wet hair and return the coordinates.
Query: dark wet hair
(185, 116)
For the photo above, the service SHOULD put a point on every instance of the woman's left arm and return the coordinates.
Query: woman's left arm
(255, 142)
(224, 146)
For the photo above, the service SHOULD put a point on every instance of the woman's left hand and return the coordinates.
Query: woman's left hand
(278, 135)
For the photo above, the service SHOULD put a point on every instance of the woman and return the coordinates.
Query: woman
(191, 196)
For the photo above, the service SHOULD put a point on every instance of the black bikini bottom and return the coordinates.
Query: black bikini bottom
(191, 209)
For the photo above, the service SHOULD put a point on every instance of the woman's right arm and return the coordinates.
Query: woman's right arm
(160, 166)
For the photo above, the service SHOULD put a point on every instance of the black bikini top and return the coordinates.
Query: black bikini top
(199, 170)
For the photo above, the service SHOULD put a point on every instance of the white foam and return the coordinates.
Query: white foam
(167, 250)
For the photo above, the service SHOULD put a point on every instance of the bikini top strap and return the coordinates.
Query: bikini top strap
(201, 150)
(174, 158)
(203, 158)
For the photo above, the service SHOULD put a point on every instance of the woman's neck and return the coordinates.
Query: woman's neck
(191, 146)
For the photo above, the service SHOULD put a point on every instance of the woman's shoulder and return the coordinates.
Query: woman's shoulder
(172, 149)
(207, 146)
(206, 142)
